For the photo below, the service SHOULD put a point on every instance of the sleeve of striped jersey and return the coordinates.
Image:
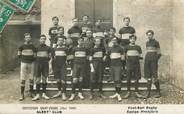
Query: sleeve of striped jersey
(19, 51)
(53, 53)
(104, 52)
(69, 31)
(158, 48)
(50, 32)
(133, 30)
(158, 45)
(120, 31)
(140, 50)
(80, 30)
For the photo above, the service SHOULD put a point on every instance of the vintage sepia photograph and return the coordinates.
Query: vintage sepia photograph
(103, 52)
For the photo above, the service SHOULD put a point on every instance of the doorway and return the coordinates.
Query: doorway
(95, 9)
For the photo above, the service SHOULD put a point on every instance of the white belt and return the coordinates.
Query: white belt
(80, 54)
(132, 53)
(60, 53)
(54, 31)
(115, 55)
(69, 57)
(42, 54)
(75, 35)
(27, 52)
(151, 50)
(100, 34)
(98, 54)
(126, 36)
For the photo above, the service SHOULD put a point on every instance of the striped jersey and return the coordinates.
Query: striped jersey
(43, 53)
(27, 53)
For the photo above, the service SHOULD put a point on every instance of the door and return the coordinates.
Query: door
(95, 9)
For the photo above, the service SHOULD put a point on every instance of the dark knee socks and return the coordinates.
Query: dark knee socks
(157, 84)
(31, 86)
(22, 88)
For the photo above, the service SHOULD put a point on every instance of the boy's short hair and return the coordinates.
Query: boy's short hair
(43, 35)
(27, 34)
(55, 17)
(113, 28)
(126, 18)
(133, 36)
(150, 31)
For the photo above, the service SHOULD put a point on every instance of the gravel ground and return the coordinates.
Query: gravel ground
(9, 88)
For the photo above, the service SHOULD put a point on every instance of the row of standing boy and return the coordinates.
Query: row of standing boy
(86, 49)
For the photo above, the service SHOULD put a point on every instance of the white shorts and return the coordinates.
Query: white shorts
(26, 71)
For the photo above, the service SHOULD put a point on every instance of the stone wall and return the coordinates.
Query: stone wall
(178, 41)
(64, 9)
(13, 36)
(145, 15)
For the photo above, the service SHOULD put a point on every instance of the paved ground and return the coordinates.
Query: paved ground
(9, 93)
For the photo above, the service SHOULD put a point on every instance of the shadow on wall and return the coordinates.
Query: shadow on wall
(12, 38)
